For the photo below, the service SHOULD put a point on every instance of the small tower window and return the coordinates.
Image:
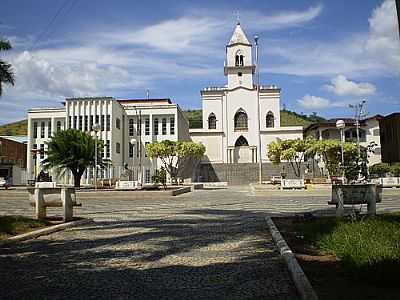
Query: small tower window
(212, 121)
(239, 59)
(269, 120)
(240, 74)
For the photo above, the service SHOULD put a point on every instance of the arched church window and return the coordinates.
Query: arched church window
(212, 121)
(241, 141)
(239, 59)
(269, 120)
(240, 120)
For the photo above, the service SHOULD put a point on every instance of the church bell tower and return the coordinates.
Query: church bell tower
(239, 65)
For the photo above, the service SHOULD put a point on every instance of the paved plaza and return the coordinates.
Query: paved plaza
(201, 245)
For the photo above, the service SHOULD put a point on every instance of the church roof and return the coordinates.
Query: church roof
(239, 37)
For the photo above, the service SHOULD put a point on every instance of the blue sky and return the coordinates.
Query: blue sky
(323, 54)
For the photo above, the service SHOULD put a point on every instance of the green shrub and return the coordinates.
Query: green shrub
(379, 169)
(395, 169)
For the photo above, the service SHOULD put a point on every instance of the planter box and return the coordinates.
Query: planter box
(292, 184)
(350, 194)
(126, 185)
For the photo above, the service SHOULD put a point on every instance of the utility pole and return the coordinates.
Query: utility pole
(258, 111)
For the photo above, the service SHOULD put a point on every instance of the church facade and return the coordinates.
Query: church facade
(232, 132)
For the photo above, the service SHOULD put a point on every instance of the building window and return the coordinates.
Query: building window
(58, 125)
(86, 123)
(147, 126)
(97, 120)
(91, 123)
(69, 122)
(118, 148)
(102, 126)
(108, 148)
(131, 127)
(118, 123)
(35, 130)
(164, 126)
(147, 176)
(240, 74)
(41, 151)
(42, 130)
(49, 129)
(375, 132)
(269, 120)
(351, 135)
(80, 122)
(241, 141)
(155, 126)
(108, 122)
(131, 150)
(240, 120)
(145, 147)
(75, 122)
(325, 134)
(212, 121)
(172, 125)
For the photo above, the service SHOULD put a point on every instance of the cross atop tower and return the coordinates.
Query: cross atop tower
(237, 17)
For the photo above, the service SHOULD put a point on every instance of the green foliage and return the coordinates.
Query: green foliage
(16, 128)
(12, 225)
(74, 150)
(160, 176)
(174, 155)
(379, 169)
(330, 151)
(395, 170)
(292, 151)
(6, 72)
(195, 118)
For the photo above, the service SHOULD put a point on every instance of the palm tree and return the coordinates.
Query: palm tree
(6, 72)
(74, 150)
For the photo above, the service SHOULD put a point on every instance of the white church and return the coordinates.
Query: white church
(231, 131)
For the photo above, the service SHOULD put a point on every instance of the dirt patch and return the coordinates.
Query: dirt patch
(326, 272)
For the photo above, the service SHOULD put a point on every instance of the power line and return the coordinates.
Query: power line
(49, 28)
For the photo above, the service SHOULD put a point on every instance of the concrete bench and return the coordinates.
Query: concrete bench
(64, 197)
(292, 184)
(387, 182)
(352, 194)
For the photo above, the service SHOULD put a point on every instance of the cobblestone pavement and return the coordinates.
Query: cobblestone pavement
(164, 248)
(202, 245)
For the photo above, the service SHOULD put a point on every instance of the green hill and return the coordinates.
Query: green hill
(16, 128)
(288, 118)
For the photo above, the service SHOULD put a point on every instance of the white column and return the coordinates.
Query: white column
(29, 159)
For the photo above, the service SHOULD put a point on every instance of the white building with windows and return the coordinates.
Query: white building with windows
(231, 129)
(126, 127)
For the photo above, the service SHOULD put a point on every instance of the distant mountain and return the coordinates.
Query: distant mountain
(16, 128)
(288, 118)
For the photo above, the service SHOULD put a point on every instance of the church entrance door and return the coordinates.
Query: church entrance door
(242, 151)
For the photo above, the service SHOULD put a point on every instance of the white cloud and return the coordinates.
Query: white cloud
(341, 86)
(314, 102)
(372, 53)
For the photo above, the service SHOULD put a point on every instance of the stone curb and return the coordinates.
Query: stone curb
(44, 231)
(300, 279)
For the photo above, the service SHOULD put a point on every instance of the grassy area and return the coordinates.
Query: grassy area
(369, 248)
(347, 259)
(14, 225)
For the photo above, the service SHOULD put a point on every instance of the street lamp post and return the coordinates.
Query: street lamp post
(96, 128)
(340, 124)
(258, 111)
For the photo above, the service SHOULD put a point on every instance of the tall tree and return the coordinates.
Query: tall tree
(73, 150)
(6, 72)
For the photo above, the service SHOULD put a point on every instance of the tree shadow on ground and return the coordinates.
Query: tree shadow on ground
(195, 254)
